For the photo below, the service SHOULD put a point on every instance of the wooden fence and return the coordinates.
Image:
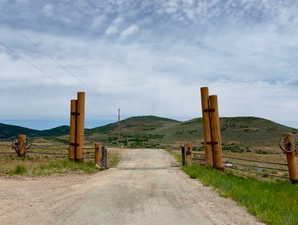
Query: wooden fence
(213, 155)
(74, 150)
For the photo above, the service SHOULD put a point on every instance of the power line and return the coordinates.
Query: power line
(62, 67)
(34, 65)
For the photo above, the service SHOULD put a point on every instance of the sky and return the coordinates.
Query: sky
(147, 57)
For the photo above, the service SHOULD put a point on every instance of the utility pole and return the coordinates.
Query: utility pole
(119, 128)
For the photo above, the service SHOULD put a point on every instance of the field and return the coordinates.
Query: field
(274, 203)
(272, 200)
(248, 133)
(48, 156)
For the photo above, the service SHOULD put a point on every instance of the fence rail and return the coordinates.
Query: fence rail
(256, 172)
(258, 161)
(7, 153)
(200, 157)
(254, 166)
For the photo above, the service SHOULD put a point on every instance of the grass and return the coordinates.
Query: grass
(18, 170)
(56, 166)
(63, 167)
(114, 158)
(274, 203)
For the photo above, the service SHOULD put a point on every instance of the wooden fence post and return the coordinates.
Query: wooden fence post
(188, 154)
(216, 133)
(72, 132)
(22, 145)
(80, 125)
(183, 155)
(98, 154)
(104, 156)
(292, 158)
(206, 125)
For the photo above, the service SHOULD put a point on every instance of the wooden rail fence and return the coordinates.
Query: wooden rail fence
(75, 150)
(213, 154)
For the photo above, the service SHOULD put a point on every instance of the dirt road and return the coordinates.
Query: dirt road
(145, 189)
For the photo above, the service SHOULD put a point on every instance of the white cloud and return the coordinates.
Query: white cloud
(159, 70)
(48, 10)
(98, 22)
(111, 30)
(129, 31)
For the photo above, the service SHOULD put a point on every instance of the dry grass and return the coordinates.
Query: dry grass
(11, 163)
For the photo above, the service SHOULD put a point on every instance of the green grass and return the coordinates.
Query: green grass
(63, 167)
(54, 167)
(18, 170)
(175, 154)
(274, 203)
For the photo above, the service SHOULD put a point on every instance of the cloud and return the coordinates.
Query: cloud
(129, 31)
(48, 10)
(149, 58)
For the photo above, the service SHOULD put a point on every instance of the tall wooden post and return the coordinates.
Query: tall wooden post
(98, 154)
(206, 125)
(188, 154)
(216, 133)
(80, 134)
(72, 132)
(183, 155)
(22, 145)
(292, 158)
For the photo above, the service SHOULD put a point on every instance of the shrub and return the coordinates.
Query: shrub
(18, 170)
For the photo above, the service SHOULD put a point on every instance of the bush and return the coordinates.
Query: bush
(18, 170)
(262, 152)
(235, 148)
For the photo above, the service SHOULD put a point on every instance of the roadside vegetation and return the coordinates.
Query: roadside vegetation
(57, 166)
(54, 167)
(274, 203)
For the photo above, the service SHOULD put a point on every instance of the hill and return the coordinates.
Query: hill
(241, 132)
(8, 131)
(134, 131)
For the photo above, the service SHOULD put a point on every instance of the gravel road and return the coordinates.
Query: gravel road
(147, 188)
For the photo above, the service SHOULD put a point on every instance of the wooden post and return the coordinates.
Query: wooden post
(183, 155)
(216, 133)
(188, 155)
(72, 132)
(98, 154)
(80, 134)
(104, 157)
(292, 158)
(22, 145)
(206, 125)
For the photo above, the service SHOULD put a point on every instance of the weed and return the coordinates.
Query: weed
(274, 203)
(18, 170)
(64, 166)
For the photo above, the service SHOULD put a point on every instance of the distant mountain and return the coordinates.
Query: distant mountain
(153, 131)
(149, 131)
(8, 131)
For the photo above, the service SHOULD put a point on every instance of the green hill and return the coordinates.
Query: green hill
(246, 132)
(134, 131)
(8, 131)
(239, 133)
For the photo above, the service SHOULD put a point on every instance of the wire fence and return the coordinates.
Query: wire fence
(246, 166)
